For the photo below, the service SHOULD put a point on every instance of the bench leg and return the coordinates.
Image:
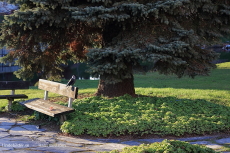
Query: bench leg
(9, 104)
(62, 119)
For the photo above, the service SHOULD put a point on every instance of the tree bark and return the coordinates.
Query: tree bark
(115, 90)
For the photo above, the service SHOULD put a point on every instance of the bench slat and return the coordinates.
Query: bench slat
(11, 85)
(58, 88)
(43, 106)
(13, 96)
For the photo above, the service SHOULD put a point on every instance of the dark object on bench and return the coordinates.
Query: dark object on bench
(13, 85)
(50, 108)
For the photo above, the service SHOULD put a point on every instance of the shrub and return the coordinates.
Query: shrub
(17, 107)
(1, 18)
(41, 116)
(225, 55)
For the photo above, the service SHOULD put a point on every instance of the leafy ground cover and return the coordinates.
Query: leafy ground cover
(172, 146)
(171, 106)
(126, 115)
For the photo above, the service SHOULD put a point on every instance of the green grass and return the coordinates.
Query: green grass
(85, 86)
(175, 106)
(216, 81)
(214, 88)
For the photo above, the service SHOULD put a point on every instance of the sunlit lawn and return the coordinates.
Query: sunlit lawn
(214, 88)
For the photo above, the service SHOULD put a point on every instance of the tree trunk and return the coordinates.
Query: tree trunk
(116, 90)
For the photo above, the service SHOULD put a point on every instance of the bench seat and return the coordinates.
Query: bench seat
(13, 85)
(18, 96)
(45, 106)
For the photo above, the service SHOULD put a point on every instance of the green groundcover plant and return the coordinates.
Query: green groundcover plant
(100, 116)
(166, 146)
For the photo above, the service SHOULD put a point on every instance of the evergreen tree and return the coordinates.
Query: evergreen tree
(115, 37)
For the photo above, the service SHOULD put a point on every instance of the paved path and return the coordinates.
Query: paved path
(18, 137)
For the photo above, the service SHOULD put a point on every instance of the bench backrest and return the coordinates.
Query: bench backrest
(58, 88)
(12, 85)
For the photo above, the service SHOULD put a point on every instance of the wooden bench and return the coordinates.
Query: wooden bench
(13, 85)
(49, 108)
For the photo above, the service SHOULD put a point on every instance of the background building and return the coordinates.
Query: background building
(7, 69)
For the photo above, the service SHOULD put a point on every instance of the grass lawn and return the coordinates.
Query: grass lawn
(172, 106)
(214, 88)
